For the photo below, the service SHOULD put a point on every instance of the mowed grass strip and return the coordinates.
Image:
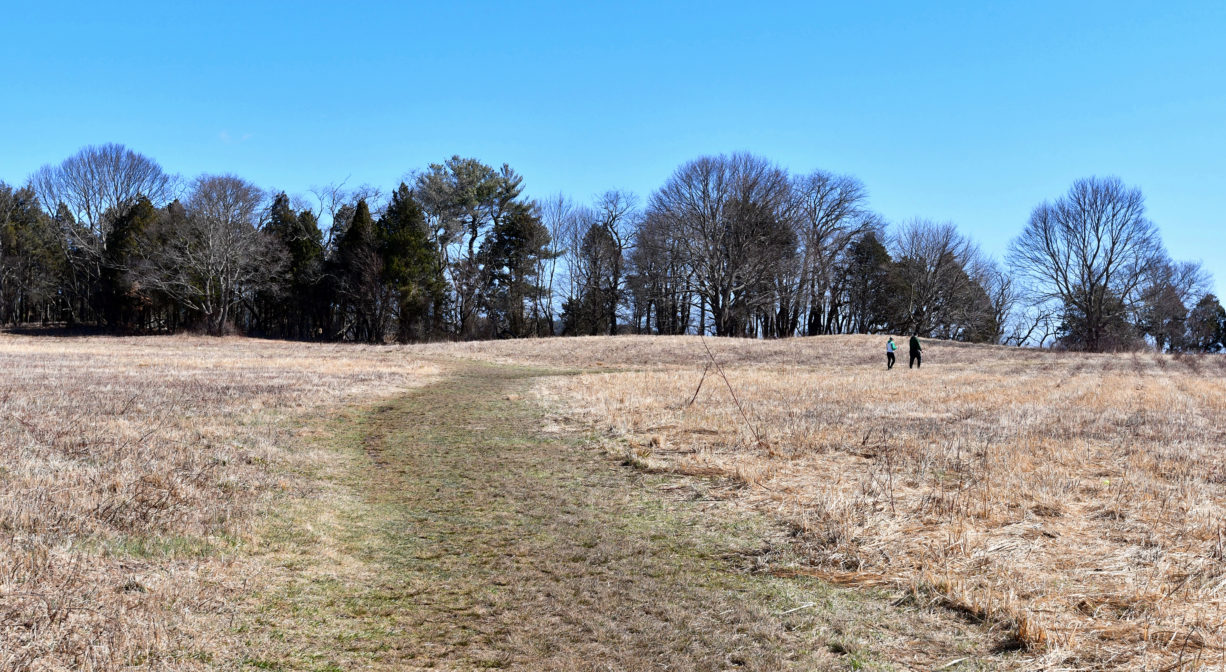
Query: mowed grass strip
(478, 541)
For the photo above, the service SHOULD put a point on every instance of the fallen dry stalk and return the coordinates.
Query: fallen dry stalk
(758, 435)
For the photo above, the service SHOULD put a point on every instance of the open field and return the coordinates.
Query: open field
(1073, 502)
(195, 503)
(132, 471)
(192, 503)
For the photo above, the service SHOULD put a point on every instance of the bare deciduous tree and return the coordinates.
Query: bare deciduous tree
(87, 192)
(616, 214)
(1089, 252)
(333, 206)
(212, 254)
(1012, 327)
(600, 239)
(718, 206)
(558, 217)
(942, 283)
(661, 278)
(830, 214)
(98, 180)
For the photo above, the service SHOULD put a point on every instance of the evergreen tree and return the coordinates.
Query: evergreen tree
(974, 316)
(119, 301)
(867, 271)
(294, 304)
(410, 267)
(594, 310)
(1163, 317)
(1078, 330)
(32, 267)
(1207, 325)
(465, 200)
(310, 284)
(509, 258)
(359, 270)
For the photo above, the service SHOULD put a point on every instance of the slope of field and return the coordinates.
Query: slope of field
(131, 472)
(191, 503)
(183, 503)
(1075, 502)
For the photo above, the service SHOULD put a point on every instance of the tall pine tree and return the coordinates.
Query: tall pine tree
(509, 260)
(410, 267)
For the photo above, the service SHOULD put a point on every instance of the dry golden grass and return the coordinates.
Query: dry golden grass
(131, 473)
(1076, 501)
(1073, 501)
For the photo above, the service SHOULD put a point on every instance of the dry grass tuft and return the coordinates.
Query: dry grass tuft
(1075, 502)
(132, 473)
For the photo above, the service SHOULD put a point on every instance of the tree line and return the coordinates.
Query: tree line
(731, 245)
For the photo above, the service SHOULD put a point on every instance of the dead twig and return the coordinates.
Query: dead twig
(759, 437)
(705, 369)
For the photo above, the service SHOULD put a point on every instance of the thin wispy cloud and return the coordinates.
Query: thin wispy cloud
(229, 139)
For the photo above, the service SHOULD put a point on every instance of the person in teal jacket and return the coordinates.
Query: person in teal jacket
(915, 352)
(889, 353)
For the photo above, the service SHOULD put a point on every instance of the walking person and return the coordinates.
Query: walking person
(915, 352)
(889, 353)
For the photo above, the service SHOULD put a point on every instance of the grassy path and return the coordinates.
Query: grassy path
(481, 542)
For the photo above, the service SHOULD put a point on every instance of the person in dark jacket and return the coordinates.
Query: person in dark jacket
(915, 353)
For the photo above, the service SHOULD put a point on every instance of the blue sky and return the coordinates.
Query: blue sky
(969, 112)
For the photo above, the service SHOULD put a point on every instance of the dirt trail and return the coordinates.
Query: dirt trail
(486, 543)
